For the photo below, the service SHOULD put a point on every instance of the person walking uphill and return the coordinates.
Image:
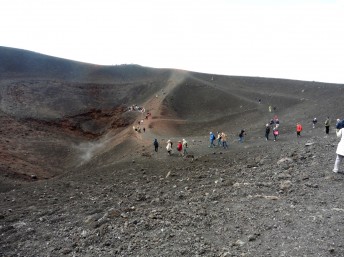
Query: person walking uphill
(340, 147)
(211, 139)
(298, 129)
(156, 145)
(327, 125)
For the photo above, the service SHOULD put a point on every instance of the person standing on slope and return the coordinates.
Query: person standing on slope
(224, 140)
(241, 136)
(314, 122)
(185, 145)
(169, 147)
(180, 147)
(267, 131)
(327, 125)
(275, 132)
(156, 145)
(340, 147)
(211, 139)
(298, 129)
(219, 139)
(277, 122)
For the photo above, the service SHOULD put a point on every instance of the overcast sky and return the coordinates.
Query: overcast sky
(294, 39)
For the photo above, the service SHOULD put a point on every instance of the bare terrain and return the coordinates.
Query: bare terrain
(77, 180)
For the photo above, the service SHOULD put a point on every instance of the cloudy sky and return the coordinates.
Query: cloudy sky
(294, 39)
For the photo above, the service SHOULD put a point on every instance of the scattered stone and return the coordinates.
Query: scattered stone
(239, 243)
(66, 251)
(285, 185)
(285, 160)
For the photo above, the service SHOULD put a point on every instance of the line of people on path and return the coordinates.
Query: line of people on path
(275, 132)
(221, 140)
(135, 107)
(327, 124)
(274, 125)
(181, 147)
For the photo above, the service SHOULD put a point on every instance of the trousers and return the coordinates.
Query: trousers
(337, 162)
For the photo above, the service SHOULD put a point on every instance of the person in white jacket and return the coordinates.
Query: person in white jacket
(169, 147)
(340, 150)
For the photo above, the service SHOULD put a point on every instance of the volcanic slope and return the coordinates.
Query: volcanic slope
(76, 179)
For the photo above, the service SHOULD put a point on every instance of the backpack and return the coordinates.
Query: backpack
(340, 124)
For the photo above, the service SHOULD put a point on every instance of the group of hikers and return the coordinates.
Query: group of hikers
(274, 125)
(221, 140)
(221, 137)
(181, 147)
(135, 107)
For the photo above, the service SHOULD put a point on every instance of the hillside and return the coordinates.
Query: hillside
(77, 180)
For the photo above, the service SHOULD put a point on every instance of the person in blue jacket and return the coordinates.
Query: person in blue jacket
(211, 139)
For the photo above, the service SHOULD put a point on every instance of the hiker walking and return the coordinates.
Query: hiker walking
(298, 129)
(185, 145)
(272, 123)
(267, 131)
(224, 140)
(169, 147)
(327, 125)
(314, 121)
(340, 147)
(180, 147)
(156, 145)
(277, 122)
(218, 139)
(211, 139)
(275, 132)
(241, 136)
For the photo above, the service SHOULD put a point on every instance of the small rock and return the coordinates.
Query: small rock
(239, 243)
(285, 160)
(66, 251)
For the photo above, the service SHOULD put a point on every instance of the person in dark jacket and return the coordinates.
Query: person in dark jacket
(298, 129)
(156, 145)
(267, 131)
(327, 125)
(241, 136)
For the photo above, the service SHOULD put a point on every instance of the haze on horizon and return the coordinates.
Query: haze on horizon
(295, 39)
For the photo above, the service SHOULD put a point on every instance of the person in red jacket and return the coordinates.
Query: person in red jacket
(180, 147)
(298, 129)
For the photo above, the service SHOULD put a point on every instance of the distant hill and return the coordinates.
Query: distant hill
(82, 109)
(38, 86)
(23, 63)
